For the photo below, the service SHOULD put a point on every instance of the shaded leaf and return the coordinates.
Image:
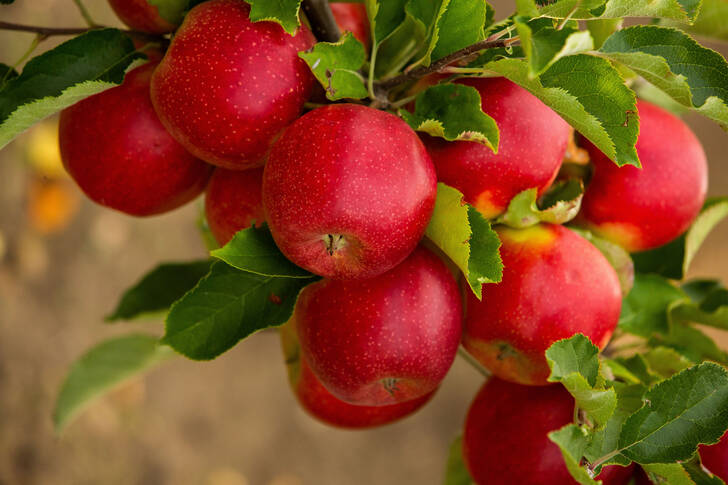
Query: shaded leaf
(558, 206)
(456, 473)
(336, 66)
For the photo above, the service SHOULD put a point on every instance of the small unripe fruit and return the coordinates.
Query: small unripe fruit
(120, 155)
(555, 284)
(227, 86)
(533, 140)
(384, 340)
(348, 191)
(233, 202)
(645, 208)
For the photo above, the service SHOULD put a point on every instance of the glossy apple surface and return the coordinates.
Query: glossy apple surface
(555, 284)
(348, 191)
(352, 17)
(327, 408)
(533, 141)
(384, 340)
(120, 155)
(233, 202)
(227, 86)
(506, 436)
(645, 208)
(145, 17)
(715, 458)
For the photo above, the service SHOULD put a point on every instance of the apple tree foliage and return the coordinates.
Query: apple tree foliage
(651, 402)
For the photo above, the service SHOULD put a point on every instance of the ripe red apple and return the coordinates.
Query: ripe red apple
(118, 152)
(384, 340)
(715, 458)
(644, 209)
(143, 16)
(533, 140)
(506, 436)
(352, 17)
(228, 86)
(327, 408)
(233, 202)
(348, 191)
(555, 284)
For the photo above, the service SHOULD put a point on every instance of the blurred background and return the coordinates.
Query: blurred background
(64, 262)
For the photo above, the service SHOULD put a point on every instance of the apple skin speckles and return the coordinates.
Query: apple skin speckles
(227, 86)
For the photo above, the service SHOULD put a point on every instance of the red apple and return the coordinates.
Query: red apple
(715, 458)
(327, 408)
(383, 340)
(143, 16)
(233, 202)
(533, 141)
(352, 17)
(646, 208)
(118, 152)
(348, 191)
(227, 86)
(555, 284)
(506, 436)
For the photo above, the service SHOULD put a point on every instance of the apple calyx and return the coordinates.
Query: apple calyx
(390, 385)
(334, 243)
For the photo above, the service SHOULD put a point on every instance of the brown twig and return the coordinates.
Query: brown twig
(51, 31)
(441, 64)
(323, 24)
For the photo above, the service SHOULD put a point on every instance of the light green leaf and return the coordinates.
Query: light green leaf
(679, 413)
(170, 10)
(601, 29)
(558, 206)
(685, 10)
(456, 473)
(666, 361)
(282, 12)
(467, 238)
(159, 289)
(227, 306)
(336, 66)
(710, 22)
(103, 368)
(692, 75)
(590, 95)
(453, 112)
(76, 69)
(543, 44)
(253, 250)
(573, 442)
(668, 473)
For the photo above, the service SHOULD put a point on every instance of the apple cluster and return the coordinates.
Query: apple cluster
(347, 192)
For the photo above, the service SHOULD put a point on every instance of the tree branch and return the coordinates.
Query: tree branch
(51, 31)
(441, 64)
(322, 20)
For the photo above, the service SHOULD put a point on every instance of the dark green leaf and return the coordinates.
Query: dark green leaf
(456, 473)
(467, 238)
(76, 69)
(543, 44)
(227, 306)
(336, 66)
(159, 288)
(6, 74)
(170, 10)
(103, 368)
(283, 12)
(679, 413)
(453, 112)
(645, 309)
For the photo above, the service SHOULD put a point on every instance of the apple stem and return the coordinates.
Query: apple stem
(471, 360)
(323, 24)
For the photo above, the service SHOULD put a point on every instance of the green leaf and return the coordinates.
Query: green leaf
(679, 413)
(254, 250)
(574, 362)
(101, 369)
(76, 69)
(601, 29)
(453, 112)
(685, 10)
(6, 74)
(336, 66)
(543, 44)
(558, 206)
(617, 256)
(666, 361)
(673, 259)
(458, 24)
(467, 238)
(699, 475)
(573, 442)
(456, 473)
(171, 10)
(385, 17)
(283, 12)
(590, 95)
(159, 289)
(227, 306)
(690, 342)
(644, 309)
(692, 75)
(669, 473)
(710, 21)
(708, 305)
